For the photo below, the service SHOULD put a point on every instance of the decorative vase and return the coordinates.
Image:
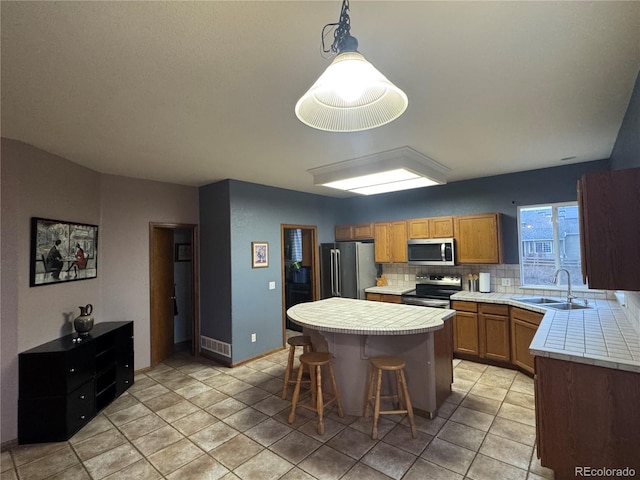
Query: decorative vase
(84, 323)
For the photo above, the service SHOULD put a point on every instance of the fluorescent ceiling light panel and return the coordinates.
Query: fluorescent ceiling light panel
(399, 169)
(394, 186)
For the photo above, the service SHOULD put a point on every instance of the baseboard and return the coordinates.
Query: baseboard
(262, 355)
(5, 446)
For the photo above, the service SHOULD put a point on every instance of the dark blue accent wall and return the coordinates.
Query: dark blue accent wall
(215, 262)
(626, 151)
(242, 213)
(501, 193)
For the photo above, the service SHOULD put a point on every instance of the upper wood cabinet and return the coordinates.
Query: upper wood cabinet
(343, 232)
(390, 239)
(434, 227)
(609, 204)
(347, 233)
(478, 238)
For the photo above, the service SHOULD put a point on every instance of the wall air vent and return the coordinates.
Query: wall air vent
(215, 346)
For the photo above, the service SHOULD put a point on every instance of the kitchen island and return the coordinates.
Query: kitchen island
(355, 330)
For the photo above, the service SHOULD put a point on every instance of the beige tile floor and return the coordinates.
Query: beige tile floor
(192, 419)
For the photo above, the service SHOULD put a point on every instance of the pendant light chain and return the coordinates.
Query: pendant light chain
(344, 26)
(341, 32)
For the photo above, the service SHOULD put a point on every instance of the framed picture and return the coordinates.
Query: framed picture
(259, 254)
(183, 252)
(62, 251)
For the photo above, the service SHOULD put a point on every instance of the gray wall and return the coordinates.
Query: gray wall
(626, 151)
(37, 183)
(235, 298)
(501, 193)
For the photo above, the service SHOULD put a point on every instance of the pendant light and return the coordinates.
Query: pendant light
(351, 95)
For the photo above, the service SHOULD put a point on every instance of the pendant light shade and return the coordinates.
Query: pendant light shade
(351, 95)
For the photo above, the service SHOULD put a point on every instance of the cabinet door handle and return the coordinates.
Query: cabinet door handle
(127, 382)
(72, 370)
(81, 397)
(126, 366)
(82, 417)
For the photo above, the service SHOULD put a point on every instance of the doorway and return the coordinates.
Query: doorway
(299, 245)
(173, 275)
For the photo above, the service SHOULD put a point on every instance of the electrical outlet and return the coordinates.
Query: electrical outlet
(406, 278)
(506, 282)
(253, 338)
(272, 285)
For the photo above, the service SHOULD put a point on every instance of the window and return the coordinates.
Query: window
(549, 237)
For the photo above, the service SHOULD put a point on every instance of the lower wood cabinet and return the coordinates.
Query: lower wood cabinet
(63, 384)
(524, 324)
(384, 297)
(466, 337)
(495, 333)
(586, 416)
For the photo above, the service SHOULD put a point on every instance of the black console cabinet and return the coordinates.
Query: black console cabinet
(63, 383)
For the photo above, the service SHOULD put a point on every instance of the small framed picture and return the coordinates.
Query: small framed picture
(183, 252)
(259, 254)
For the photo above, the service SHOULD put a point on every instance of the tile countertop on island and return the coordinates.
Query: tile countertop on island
(601, 335)
(362, 317)
(390, 290)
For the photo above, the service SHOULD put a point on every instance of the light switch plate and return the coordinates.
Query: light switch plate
(272, 285)
(506, 282)
(253, 337)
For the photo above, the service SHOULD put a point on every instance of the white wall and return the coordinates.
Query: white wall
(36, 183)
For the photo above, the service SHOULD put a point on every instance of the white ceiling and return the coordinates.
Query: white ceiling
(196, 92)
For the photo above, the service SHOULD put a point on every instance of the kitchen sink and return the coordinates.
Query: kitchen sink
(554, 303)
(566, 306)
(538, 300)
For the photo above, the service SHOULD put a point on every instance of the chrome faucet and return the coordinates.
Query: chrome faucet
(570, 296)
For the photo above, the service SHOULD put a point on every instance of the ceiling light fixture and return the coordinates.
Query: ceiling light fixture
(351, 95)
(391, 171)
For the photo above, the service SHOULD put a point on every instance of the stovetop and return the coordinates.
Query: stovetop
(436, 286)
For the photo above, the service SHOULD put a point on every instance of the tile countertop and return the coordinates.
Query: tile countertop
(601, 335)
(362, 317)
(389, 289)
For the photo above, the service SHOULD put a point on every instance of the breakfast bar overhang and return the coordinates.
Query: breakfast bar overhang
(355, 330)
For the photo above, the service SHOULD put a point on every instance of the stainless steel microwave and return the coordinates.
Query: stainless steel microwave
(433, 251)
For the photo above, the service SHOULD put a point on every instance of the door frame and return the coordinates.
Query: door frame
(195, 282)
(315, 267)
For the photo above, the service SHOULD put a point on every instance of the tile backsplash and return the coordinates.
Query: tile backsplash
(405, 275)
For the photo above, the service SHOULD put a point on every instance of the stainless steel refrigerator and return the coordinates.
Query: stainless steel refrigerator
(346, 269)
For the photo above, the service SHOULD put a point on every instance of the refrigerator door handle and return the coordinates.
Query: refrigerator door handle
(337, 270)
(332, 271)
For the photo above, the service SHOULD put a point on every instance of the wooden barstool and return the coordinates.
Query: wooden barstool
(303, 341)
(390, 364)
(314, 361)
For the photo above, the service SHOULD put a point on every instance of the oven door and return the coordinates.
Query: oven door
(424, 302)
